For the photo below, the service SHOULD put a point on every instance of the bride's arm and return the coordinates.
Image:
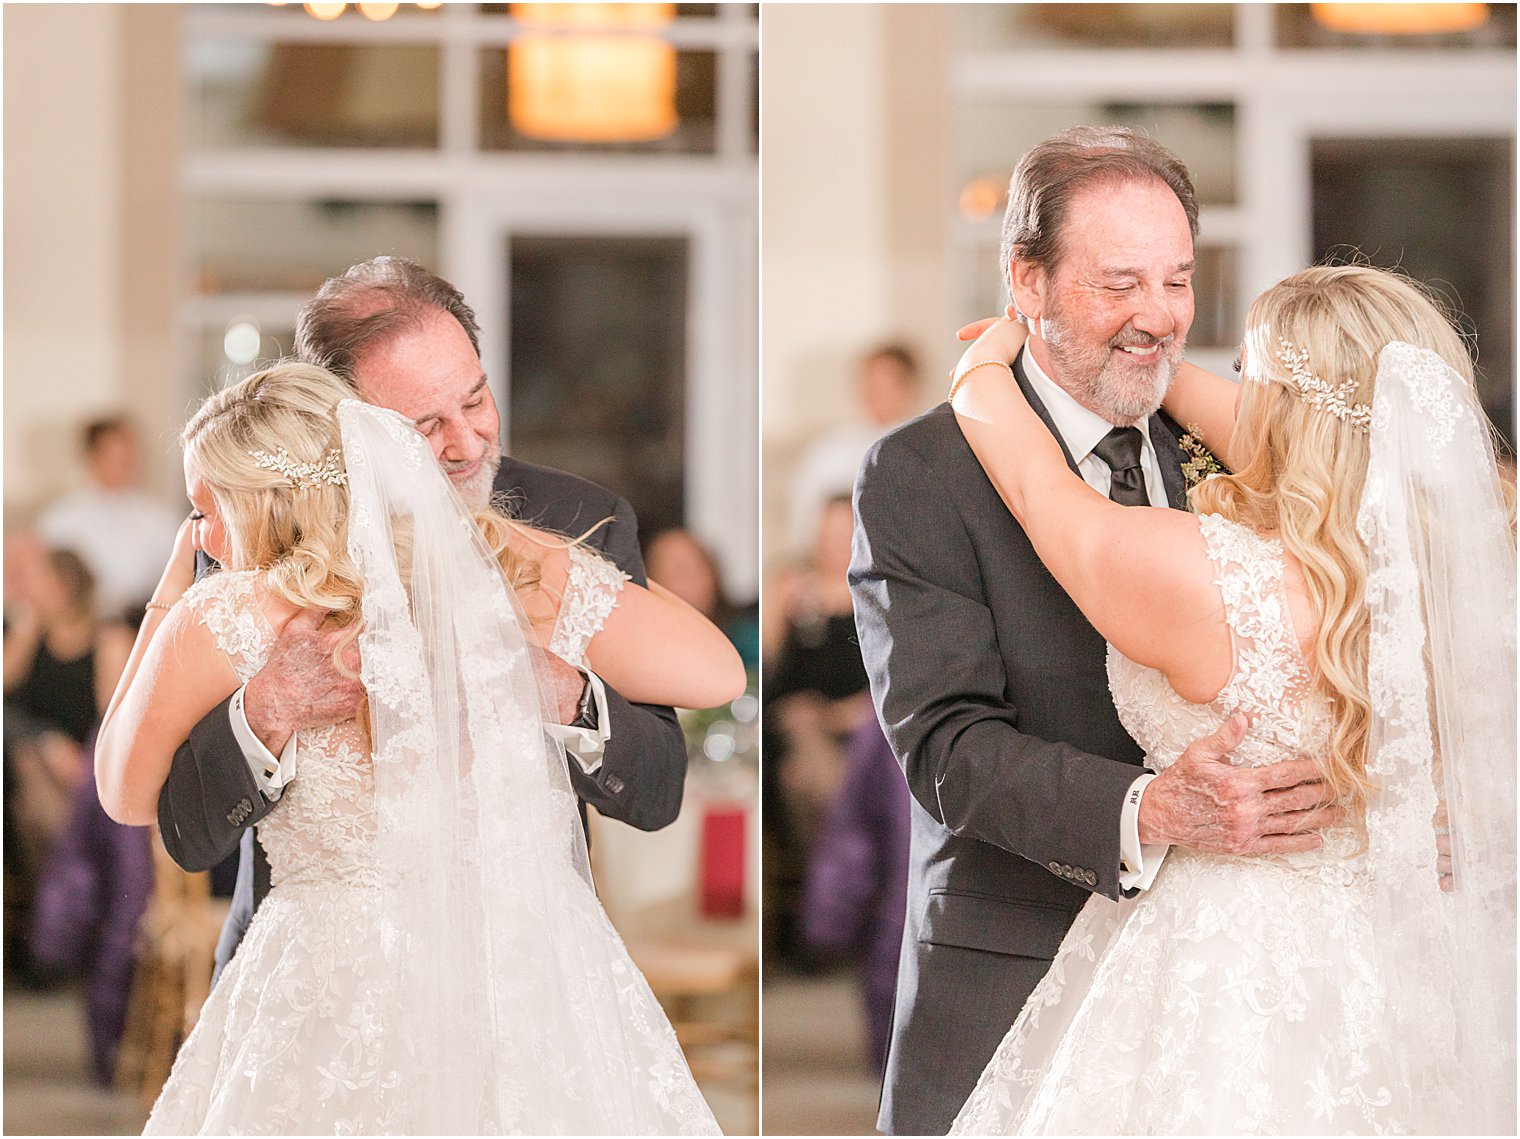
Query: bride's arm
(174, 675)
(1203, 400)
(656, 649)
(1140, 575)
(653, 648)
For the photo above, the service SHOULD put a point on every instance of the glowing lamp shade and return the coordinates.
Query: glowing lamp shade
(593, 78)
(1400, 19)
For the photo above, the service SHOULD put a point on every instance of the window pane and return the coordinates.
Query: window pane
(263, 246)
(1440, 210)
(313, 94)
(598, 365)
(1300, 25)
(990, 137)
(694, 74)
(999, 27)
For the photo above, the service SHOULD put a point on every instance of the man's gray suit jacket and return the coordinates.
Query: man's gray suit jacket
(210, 801)
(992, 688)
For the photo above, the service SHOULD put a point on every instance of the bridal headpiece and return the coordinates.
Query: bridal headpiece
(304, 476)
(1334, 399)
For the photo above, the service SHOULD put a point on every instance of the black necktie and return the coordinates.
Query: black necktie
(1120, 449)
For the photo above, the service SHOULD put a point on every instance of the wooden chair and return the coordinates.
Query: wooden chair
(176, 955)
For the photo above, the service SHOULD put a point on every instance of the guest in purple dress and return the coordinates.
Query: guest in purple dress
(855, 897)
(91, 895)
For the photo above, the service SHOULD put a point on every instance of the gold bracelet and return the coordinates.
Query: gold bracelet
(960, 379)
(157, 605)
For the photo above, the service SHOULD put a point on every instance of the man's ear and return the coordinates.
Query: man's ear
(1030, 283)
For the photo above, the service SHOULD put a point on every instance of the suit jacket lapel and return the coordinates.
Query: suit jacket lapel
(1039, 408)
(1169, 458)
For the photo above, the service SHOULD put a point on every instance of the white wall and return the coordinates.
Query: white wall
(825, 269)
(62, 235)
(854, 173)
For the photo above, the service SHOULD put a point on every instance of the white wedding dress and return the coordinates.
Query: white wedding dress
(1237, 995)
(300, 1034)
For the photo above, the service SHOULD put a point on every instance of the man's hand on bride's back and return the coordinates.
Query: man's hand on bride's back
(1205, 803)
(561, 681)
(299, 685)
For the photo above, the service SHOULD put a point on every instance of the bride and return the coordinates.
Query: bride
(1348, 592)
(432, 957)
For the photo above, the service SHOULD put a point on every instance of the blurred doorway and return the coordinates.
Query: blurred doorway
(597, 332)
(1439, 210)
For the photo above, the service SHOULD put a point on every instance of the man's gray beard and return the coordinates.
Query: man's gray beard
(476, 490)
(1089, 375)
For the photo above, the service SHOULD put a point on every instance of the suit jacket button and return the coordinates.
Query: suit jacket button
(1053, 867)
(615, 785)
(1090, 878)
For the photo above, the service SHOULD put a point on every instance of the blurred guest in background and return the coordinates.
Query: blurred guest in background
(93, 890)
(856, 893)
(886, 392)
(815, 697)
(122, 533)
(61, 663)
(682, 564)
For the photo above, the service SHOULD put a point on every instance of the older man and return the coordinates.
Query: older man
(991, 686)
(406, 339)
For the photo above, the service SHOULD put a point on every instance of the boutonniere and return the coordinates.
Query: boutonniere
(1201, 462)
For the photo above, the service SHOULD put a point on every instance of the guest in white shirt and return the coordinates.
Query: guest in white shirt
(887, 392)
(122, 533)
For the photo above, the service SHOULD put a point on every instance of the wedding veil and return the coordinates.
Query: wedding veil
(1441, 595)
(517, 1002)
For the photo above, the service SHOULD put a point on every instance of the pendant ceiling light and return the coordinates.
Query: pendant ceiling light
(1400, 19)
(589, 75)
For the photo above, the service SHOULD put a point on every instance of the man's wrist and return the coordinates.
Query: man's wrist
(585, 708)
(271, 732)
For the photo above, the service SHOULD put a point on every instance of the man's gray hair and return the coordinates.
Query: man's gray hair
(1050, 174)
(370, 303)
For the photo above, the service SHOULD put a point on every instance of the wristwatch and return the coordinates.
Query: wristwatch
(585, 709)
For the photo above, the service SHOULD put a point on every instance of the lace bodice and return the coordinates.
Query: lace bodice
(324, 829)
(590, 593)
(1289, 719)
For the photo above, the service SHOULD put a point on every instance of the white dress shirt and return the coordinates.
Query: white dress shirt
(1082, 430)
(586, 745)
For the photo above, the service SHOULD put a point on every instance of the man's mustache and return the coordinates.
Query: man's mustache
(1134, 338)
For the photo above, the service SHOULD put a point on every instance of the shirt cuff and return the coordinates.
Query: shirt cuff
(1138, 862)
(270, 774)
(586, 744)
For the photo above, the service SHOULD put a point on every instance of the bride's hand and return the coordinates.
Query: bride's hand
(999, 342)
(977, 327)
(179, 571)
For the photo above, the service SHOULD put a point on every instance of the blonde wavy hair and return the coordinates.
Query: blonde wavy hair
(1300, 470)
(299, 535)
